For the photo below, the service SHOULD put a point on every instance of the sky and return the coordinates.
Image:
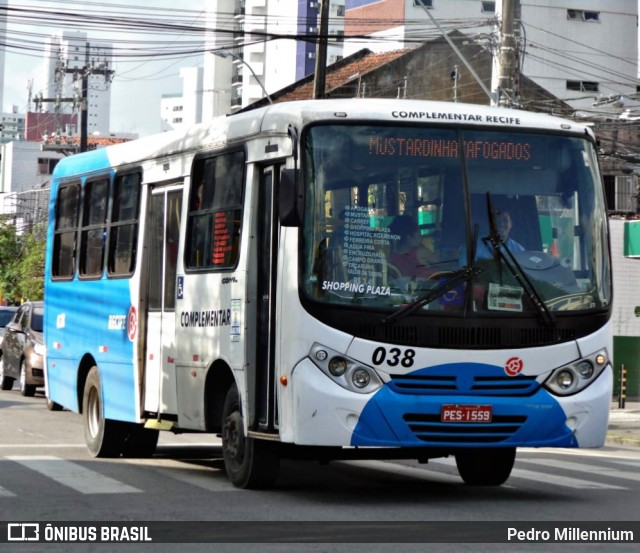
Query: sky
(139, 80)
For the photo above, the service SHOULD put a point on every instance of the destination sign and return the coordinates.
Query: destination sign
(400, 146)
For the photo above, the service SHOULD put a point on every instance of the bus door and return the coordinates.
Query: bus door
(266, 411)
(163, 234)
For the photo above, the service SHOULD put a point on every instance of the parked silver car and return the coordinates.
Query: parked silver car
(6, 314)
(22, 350)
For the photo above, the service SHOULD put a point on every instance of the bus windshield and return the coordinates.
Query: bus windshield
(397, 213)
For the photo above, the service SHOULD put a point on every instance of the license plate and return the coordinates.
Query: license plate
(466, 413)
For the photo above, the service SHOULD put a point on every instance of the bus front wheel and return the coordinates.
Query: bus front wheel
(104, 437)
(485, 466)
(249, 463)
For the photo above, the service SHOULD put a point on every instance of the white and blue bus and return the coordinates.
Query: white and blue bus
(330, 280)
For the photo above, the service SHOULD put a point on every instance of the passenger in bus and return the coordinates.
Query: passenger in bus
(409, 256)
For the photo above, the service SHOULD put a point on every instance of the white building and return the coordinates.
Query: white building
(180, 111)
(3, 34)
(584, 52)
(67, 55)
(255, 62)
(25, 173)
(12, 125)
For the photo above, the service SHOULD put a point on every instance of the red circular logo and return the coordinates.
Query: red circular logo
(513, 366)
(132, 323)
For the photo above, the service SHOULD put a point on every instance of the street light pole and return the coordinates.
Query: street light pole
(229, 54)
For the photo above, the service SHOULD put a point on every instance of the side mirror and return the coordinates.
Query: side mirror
(290, 198)
(15, 327)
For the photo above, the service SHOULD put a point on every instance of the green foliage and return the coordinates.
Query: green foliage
(21, 265)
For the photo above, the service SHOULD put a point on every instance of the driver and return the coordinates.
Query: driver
(485, 249)
(503, 226)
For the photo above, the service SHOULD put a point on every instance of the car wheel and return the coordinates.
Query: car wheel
(26, 390)
(6, 382)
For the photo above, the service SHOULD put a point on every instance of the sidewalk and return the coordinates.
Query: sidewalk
(624, 424)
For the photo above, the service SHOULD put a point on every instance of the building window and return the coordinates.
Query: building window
(46, 165)
(340, 11)
(488, 7)
(583, 86)
(423, 3)
(583, 15)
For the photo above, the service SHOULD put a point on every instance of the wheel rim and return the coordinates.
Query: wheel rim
(23, 376)
(93, 412)
(233, 437)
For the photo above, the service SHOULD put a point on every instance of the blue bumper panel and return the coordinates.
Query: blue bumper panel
(401, 417)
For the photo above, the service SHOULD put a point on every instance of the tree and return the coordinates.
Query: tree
(9, 260)
(31, 268)
(21, 265)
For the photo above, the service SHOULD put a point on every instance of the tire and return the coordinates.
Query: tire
(249, 463)
(140, 442)
(104, 437)
(485, 466)
(27, 390)
(53, 406)
(6, 382)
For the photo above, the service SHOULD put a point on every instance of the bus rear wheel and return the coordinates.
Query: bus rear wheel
(485, 466)
(249, 463)
(104, 437)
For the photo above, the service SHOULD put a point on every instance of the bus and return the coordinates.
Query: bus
(241, 279)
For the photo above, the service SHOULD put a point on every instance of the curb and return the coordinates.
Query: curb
(617, 439)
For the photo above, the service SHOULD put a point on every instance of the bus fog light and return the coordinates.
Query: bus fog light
(361, 378)
(585, 369)
(337, 366)
(565, 379)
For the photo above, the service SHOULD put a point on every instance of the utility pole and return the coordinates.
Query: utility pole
(321, 51)
(508, 70)
(80, 75)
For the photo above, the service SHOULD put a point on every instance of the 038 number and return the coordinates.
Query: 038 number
(393, 357)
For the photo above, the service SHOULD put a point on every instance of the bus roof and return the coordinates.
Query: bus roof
(276, 118)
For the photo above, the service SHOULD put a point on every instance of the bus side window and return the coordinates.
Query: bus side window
(215, 212)
(94, 227)
(66, 227)
(123, 232)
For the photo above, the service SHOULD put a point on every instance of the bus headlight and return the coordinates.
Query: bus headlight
(346, 372)
(575, 377)
(338, 366)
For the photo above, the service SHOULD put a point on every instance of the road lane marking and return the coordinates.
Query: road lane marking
(596, 470)
(547, 478)
(206, 478)
(72, 475)
(6, 493)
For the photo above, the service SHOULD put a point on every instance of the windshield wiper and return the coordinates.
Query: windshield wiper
(501, 251)
(455, 279)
